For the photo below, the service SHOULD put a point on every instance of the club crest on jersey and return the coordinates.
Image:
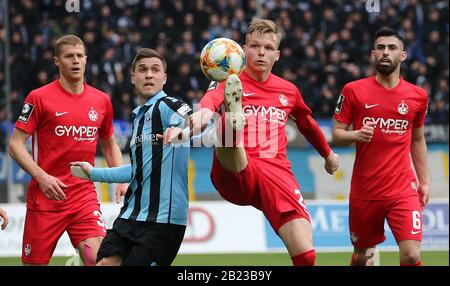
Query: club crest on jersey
(402, 108)
(27, 109)
(148, 119)
(27, 249)
(93, 115)
(283, 99)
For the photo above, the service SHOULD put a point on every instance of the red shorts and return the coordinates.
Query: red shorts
(44, 228)
(275, 192)
(403, 214)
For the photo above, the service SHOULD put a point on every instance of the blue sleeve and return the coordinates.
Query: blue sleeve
(120, 174)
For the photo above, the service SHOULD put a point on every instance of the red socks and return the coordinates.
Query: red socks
(418, 263)
(307, 258)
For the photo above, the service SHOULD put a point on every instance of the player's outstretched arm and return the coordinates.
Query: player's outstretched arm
(113, 156)
(4, 217)
(82, 170)
(174, 135)
(120, 174)
(420, 160)
(198, 121)
(51, 186)
(343, 137)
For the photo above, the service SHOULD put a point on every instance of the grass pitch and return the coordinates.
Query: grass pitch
(429, 258)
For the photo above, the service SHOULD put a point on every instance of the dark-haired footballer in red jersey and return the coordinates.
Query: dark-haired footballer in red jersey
(65, 119)
(387, 114)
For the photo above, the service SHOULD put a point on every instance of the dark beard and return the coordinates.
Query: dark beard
(386, 70)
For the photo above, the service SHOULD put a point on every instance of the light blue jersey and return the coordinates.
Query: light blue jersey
(158, 190)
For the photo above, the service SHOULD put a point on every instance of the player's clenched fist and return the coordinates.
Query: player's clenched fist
(365, 133)
(332, 163)
(199, 120)
(174, 135)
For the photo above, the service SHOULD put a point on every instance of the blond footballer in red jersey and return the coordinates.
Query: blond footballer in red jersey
(65, 118)
(257, 172)
(387, 114)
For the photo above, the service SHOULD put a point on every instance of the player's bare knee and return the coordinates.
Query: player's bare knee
(360, 259)
(410, 256)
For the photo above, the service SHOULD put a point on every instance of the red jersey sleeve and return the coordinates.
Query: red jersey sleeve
(419, 119)
(344, 108)
(309, 127)
(107, 127)
(29, 117)
(213, 97)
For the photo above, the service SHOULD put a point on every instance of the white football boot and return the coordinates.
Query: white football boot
(233, 102)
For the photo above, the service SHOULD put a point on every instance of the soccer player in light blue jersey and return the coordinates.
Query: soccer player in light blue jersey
(151, 224)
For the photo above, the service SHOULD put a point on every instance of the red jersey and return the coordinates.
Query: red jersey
(266, 107)
(382, 167)
(64, 128)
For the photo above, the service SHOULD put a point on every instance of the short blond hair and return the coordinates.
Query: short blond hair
(68, 40)
(263, 26)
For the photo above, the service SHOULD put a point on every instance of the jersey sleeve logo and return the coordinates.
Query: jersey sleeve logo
(27, 109)
(184, 109)
(213, 85)
(340, 101)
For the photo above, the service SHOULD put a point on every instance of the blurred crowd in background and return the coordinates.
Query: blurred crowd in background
(326, 43)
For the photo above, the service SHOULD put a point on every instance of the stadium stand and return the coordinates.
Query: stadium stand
(326, 44)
